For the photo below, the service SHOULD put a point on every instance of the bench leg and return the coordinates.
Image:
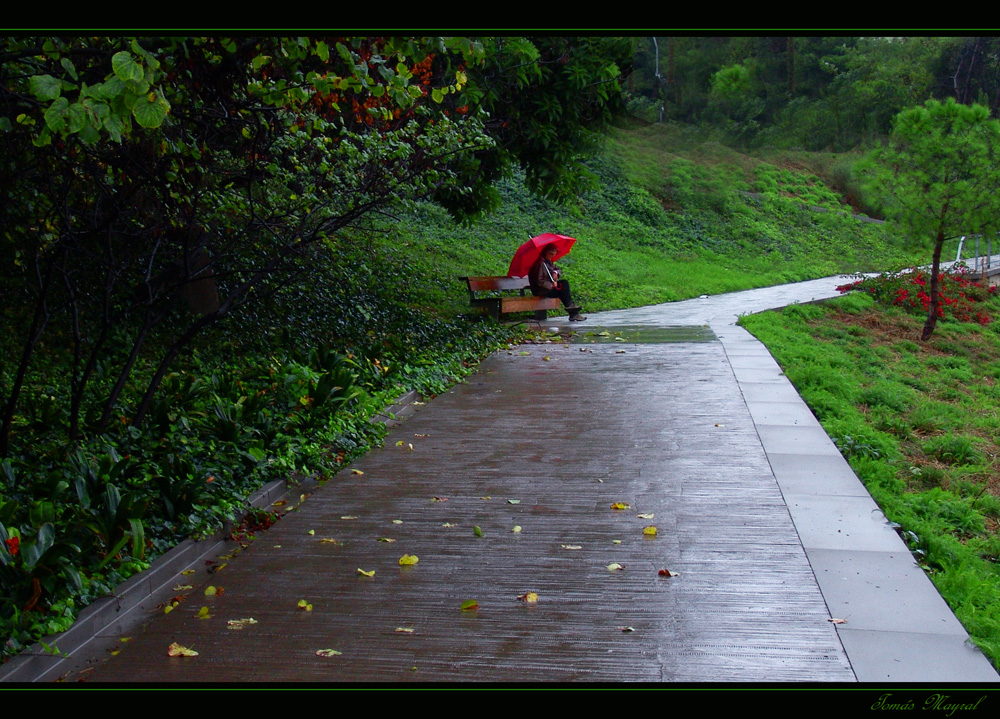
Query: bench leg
(540, 315)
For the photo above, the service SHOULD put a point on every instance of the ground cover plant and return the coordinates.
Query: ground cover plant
(918, 422)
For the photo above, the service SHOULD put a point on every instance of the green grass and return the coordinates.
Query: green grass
(917, 421)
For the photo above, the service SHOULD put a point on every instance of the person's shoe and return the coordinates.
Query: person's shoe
(577, 317)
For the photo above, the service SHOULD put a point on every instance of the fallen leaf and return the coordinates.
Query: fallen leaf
(616, 567)
(169, 608)
(439, 499)
(349, 516)
(513, 501)
(400, 443)
(408, 559)
(516, 529)
(571, 546)
(522, 354)
(477, 531)
(403, 630)
(304, 497)
(213, 570)
(311, 532)
(409, 447)
(329, 540)
(449, 524)
(421, 435)
(837, 621)
(240, 623)
(211, 591)
(647, 515)
(418, 404)
(367, 574)
(188, 571)
(386, 539)
(469, 604)
(203, 613)
(176, 650)
(357, 471)
(619, 339)
(183, 588)
(619, 505)
(529, 598)
(303, 604)
(546, 358)
(649, 531)
(601, 481)
(619, 352)
(328, 653)
(626, 629)
(720, 425)
(397, 521)
(123, 640)
(616, 541)
(486, 497)
(279, 503)
(666, 573)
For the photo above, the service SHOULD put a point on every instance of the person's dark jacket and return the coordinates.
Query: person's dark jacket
(542, 277)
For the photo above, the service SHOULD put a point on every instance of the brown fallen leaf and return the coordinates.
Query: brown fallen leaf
(439, 499)
(666, 573)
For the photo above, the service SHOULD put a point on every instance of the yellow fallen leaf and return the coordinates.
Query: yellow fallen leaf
(386, 539)
(400, 443)
(279, 503)
(367, 574)
(616, 541)
(616, 567)
(349, 516)
(329, 540)
(187, 571)
(649, 531)
(449, 524)
(529, 597)
(571, 546)
(397, 521)
(646, 515)
(516, 529)
(203, 613)
(546, 358)
(169, 608)
(176, 650)
(404, 630)
(303, 604)
(183, 587)
(124, 639)
(328, 653)
(619, 505)
(357, 471)
(408, 559)
(469, 604)
(486, 497)
(311, 532)
(211, 591)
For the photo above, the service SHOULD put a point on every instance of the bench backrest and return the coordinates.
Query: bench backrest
(488, 284)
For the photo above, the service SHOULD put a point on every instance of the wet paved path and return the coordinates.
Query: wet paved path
(768, 530)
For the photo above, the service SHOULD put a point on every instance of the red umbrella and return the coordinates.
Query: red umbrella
(528, 253)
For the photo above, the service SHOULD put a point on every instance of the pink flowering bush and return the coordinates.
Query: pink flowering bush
(910, 290)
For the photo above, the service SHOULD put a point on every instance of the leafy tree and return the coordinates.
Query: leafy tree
(938, 177)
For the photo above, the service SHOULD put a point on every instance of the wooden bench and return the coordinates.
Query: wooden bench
(500, 305)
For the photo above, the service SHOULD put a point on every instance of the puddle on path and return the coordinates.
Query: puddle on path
(641, 334)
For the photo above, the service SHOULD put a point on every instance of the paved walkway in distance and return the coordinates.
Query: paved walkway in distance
(689, 420)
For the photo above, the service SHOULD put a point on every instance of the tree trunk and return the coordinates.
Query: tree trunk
(932, 314)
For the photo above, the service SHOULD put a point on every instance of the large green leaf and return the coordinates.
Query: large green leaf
(126, 67)
(151, 110)
(45, 87)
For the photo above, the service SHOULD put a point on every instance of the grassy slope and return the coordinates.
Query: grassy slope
(670, 218)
